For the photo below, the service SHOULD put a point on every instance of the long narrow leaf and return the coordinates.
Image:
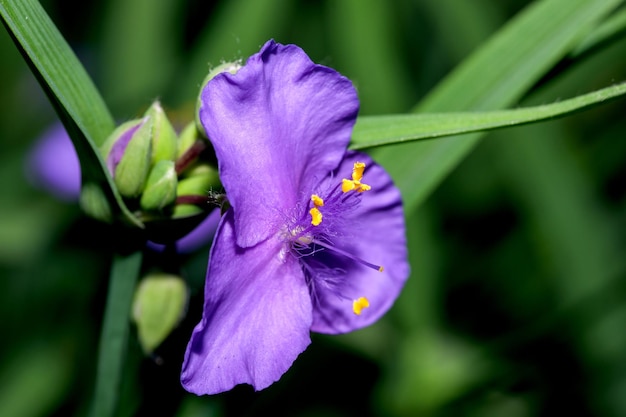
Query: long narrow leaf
(612, 29)
(55, 62)
(69, 88)
(373, 131)
(496, 76)
(124, 274)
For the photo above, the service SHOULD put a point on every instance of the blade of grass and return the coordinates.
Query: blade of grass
(613, 28)
(373, 131)
(61, 70)
(496, 76)
(70, 90)
(124, 274)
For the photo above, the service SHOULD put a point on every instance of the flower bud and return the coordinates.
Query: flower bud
(159, 304)
(160, 189)
(231, 67)
(128, 153)
(164, 141)
(190, 147)
(187, 138)
(198, 183)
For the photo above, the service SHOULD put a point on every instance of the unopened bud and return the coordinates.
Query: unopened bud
(163, 135)
(127, 153)
(187, 138)
(159, 304)
(199, 183)
(160, 189)
(190, 146)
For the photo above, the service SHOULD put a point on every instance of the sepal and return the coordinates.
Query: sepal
(160, 189)
(163, 135)
(160, 302)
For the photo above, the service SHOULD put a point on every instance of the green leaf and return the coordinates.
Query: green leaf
(494, 77)
(613, 28)
(124, 274)
(373, 131)
(69, 88)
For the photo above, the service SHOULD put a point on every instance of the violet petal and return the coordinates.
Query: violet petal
(256, 320)
(376, 234)
(278, 126)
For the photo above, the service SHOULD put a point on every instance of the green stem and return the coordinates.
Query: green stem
(112, 349)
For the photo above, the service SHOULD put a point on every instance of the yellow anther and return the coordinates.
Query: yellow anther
(317, 200)
(316, 216)
(347, 185)
(359, 304)
(355, 183)
(357, 171)
(381, 269)
(363, 187)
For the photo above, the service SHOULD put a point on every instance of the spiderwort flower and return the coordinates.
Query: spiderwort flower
(310, 227)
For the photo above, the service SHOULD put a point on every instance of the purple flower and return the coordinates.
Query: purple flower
(310, 228)
(53, 164)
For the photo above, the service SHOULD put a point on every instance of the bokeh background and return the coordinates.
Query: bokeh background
(516, 305)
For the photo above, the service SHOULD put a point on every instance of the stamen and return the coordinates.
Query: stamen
(357, 171)
(317, 200)
(355, 183)
(379, 268)
(359, 304)
(363, 187)
(347, 185)
(316, 216)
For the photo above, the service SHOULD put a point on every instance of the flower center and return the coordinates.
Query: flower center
(327, 215)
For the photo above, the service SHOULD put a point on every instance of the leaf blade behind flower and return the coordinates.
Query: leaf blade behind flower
(70, 90)
(372, 131)
(496, 76)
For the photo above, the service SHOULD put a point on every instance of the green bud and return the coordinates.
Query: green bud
(187, 138)
(132, 171)
(160, 189)
(127, 155)
(231, 67)
(94, 202)
(117, 135)
(185, 210)
(164, 141)
(199, 182)
(159, 304)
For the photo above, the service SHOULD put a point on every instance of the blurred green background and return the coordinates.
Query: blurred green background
(516, 305)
